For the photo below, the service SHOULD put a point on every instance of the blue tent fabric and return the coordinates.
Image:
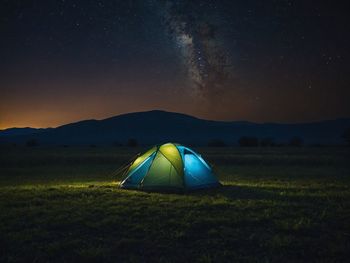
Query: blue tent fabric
(135, 176)
(197, 174)
(156, 172)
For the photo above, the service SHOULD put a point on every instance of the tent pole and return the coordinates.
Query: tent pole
(155, 154)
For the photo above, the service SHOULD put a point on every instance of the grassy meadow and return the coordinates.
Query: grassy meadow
(63, 204)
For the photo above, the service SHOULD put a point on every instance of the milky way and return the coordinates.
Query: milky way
(203, 55)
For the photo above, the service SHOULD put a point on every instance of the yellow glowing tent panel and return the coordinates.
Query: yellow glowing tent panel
(169, 166)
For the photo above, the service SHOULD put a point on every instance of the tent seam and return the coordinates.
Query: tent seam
(155, 154)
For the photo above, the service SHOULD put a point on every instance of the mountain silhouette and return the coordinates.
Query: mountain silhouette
(21, 131)
(155, 127)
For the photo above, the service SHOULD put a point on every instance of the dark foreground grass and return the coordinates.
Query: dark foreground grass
(61, 205)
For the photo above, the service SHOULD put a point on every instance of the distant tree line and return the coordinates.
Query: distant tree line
(244, 141)
(346, 136)
(129, 143)
(252, 141)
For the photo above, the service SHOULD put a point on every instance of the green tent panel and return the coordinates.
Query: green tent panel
(169, 166)
(141, 158)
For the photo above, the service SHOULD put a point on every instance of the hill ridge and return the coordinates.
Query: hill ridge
(153, 127)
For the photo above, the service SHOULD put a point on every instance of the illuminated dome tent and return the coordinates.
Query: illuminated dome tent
(169, 166)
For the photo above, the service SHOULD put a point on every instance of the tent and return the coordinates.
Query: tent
(169, 167)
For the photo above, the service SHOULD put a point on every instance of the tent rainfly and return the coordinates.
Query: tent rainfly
(169, 167)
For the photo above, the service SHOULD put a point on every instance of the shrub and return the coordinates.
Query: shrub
(247, 141)
(32, 143)
(266, 142)
(346, 136)
(296, 141)
(132, 143)
(117, 144)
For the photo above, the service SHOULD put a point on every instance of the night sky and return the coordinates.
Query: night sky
(263, 61)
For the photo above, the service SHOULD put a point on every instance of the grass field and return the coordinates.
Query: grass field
(277, 204)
